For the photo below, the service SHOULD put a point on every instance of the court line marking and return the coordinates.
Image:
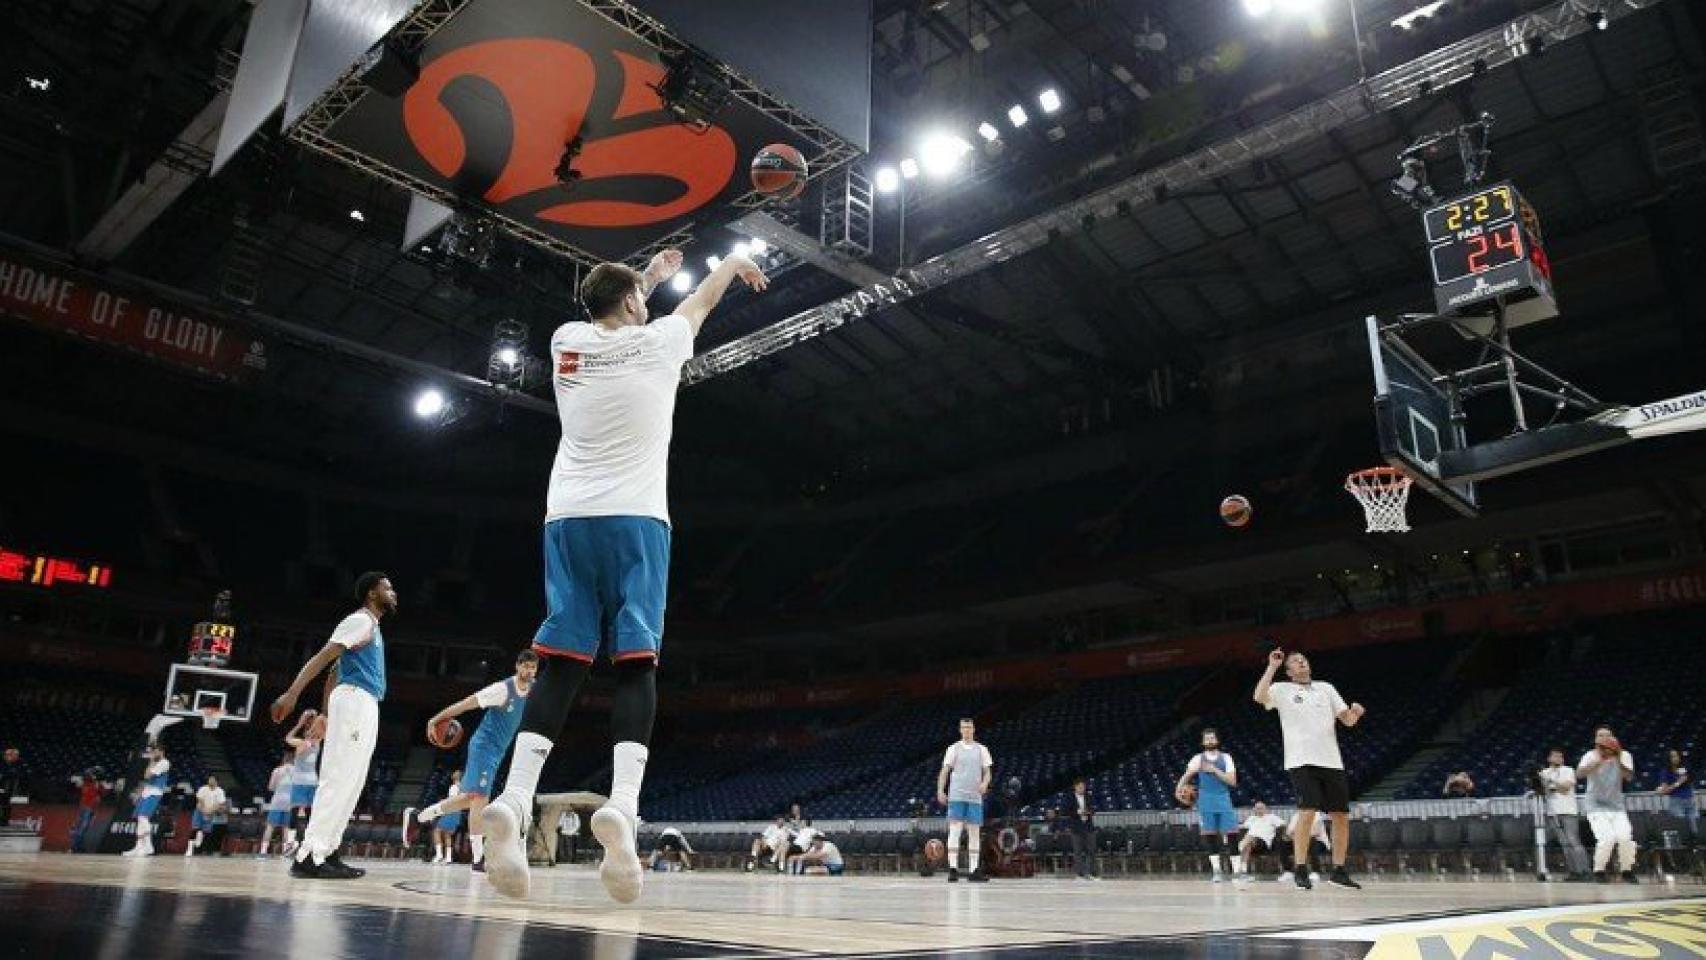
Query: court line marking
(1377, 929)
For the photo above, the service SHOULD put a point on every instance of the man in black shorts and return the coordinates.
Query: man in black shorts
(1307, 710)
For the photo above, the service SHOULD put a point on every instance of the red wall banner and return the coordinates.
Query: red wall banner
(88, 307)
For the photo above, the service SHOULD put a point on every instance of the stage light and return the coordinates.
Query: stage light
(1258, 8)
(909, 168)
(1049, 100)
(987, 131)
(1016, 116)
(1297, 7)
(941, 153)
(743, 250)
(681, 282)
(509, 350)
(429, 403)
(356, 215)
(508, 356)
(759, 247)
(888, 180)
(39, 84)
(713, 262)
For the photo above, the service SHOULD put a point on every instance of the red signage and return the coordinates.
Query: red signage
(87, 307)
(41, 570)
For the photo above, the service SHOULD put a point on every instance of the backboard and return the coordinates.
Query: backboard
(190, 689)
(1416, 418)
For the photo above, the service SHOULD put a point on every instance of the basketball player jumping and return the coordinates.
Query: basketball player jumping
(304, 741)
(1215, 775)
(1307, 709)
(148, 799)
(960, 787)
(354, 686)
(504, 702)
(606, 543)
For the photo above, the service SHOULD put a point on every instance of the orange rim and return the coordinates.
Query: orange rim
(1377, 477)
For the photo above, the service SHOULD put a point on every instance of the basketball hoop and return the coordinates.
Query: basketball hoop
(210, 717)
(1383, 493)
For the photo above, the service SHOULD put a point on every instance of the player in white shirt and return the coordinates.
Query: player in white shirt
(278, 805)
(606, 544)
(774, 841)
(1606, 768)
(209, 803)
(1261, 835)
(1563, 814)
(822, 858)
(1307, 710)
(672, 846)
(148, 799)
(960, 787)
(799, 842)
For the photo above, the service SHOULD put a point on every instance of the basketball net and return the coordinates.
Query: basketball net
(210, 717)
(1383, 493)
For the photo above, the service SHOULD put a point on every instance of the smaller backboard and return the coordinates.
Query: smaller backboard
(192, 689)
(1414, 416)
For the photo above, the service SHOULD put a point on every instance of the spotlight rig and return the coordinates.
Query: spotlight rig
(692, 88)
(1472, 140)
(508, 364)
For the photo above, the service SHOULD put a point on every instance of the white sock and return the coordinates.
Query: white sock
(477, 843)
(531, 750)
(438, 851)
(430, 813)
(628, 768)
(971, 859)
(1237, 864)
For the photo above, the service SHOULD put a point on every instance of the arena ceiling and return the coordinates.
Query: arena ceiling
(1107, 326)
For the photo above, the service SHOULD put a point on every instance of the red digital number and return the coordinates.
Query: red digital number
(1479, 248)
(1507, 238)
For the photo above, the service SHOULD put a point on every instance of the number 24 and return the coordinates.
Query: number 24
(1504, 238)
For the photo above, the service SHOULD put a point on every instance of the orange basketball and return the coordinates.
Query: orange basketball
(446, 733)
(779, 171)
(935, 851)
(1235, 511)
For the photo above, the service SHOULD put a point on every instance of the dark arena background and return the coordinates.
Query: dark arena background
(1108, 346)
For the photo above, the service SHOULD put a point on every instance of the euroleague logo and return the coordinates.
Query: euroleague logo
(638, 166)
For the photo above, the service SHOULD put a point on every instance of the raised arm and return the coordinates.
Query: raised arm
(1276, 657)
(698, 304)
(286, 701)
(661, 268)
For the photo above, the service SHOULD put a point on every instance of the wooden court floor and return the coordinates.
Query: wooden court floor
(58, 905)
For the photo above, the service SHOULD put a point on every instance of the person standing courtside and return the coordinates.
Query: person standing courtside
(1307, 710)
(355, 685)
(1215, 775)
(606, 544)
(1606, 768)
(1563, 815)
(960, 787)
(1083, 829)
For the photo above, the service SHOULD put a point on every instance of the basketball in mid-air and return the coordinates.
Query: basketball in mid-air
(1236, 510)
(779, 171)
(935, 852)
(446, 733)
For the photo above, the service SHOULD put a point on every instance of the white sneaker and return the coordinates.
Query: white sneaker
(1284, 877)
(620, 871)
(506, 857)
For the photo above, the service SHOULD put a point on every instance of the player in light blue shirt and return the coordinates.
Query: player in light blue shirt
(1214, 775)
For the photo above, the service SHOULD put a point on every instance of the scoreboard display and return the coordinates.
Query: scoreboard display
(211, 644)
(1486, 252)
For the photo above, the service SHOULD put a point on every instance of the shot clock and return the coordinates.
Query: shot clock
(1487, 256)
(211, 643)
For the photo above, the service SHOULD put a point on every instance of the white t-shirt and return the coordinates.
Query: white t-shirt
(1264, 827)
(967, 762)
(1307, 714)
(495, 695)
(616, 402)
(775, 836)
(803, 839)
(1562, 803)
(568, 822)
(831, 854)
(1230, 768)
(209, 799)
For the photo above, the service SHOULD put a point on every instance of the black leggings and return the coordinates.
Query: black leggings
(633, 708)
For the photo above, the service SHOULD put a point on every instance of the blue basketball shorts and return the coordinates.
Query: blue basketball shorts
(606, 581)
(278, 818)
(1224, 820)
(302, 795)
(146, 806)
(968, 811)
(449, 823)
(199, 821)
(480, 773)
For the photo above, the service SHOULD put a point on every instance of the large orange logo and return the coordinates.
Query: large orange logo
(498, 114)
